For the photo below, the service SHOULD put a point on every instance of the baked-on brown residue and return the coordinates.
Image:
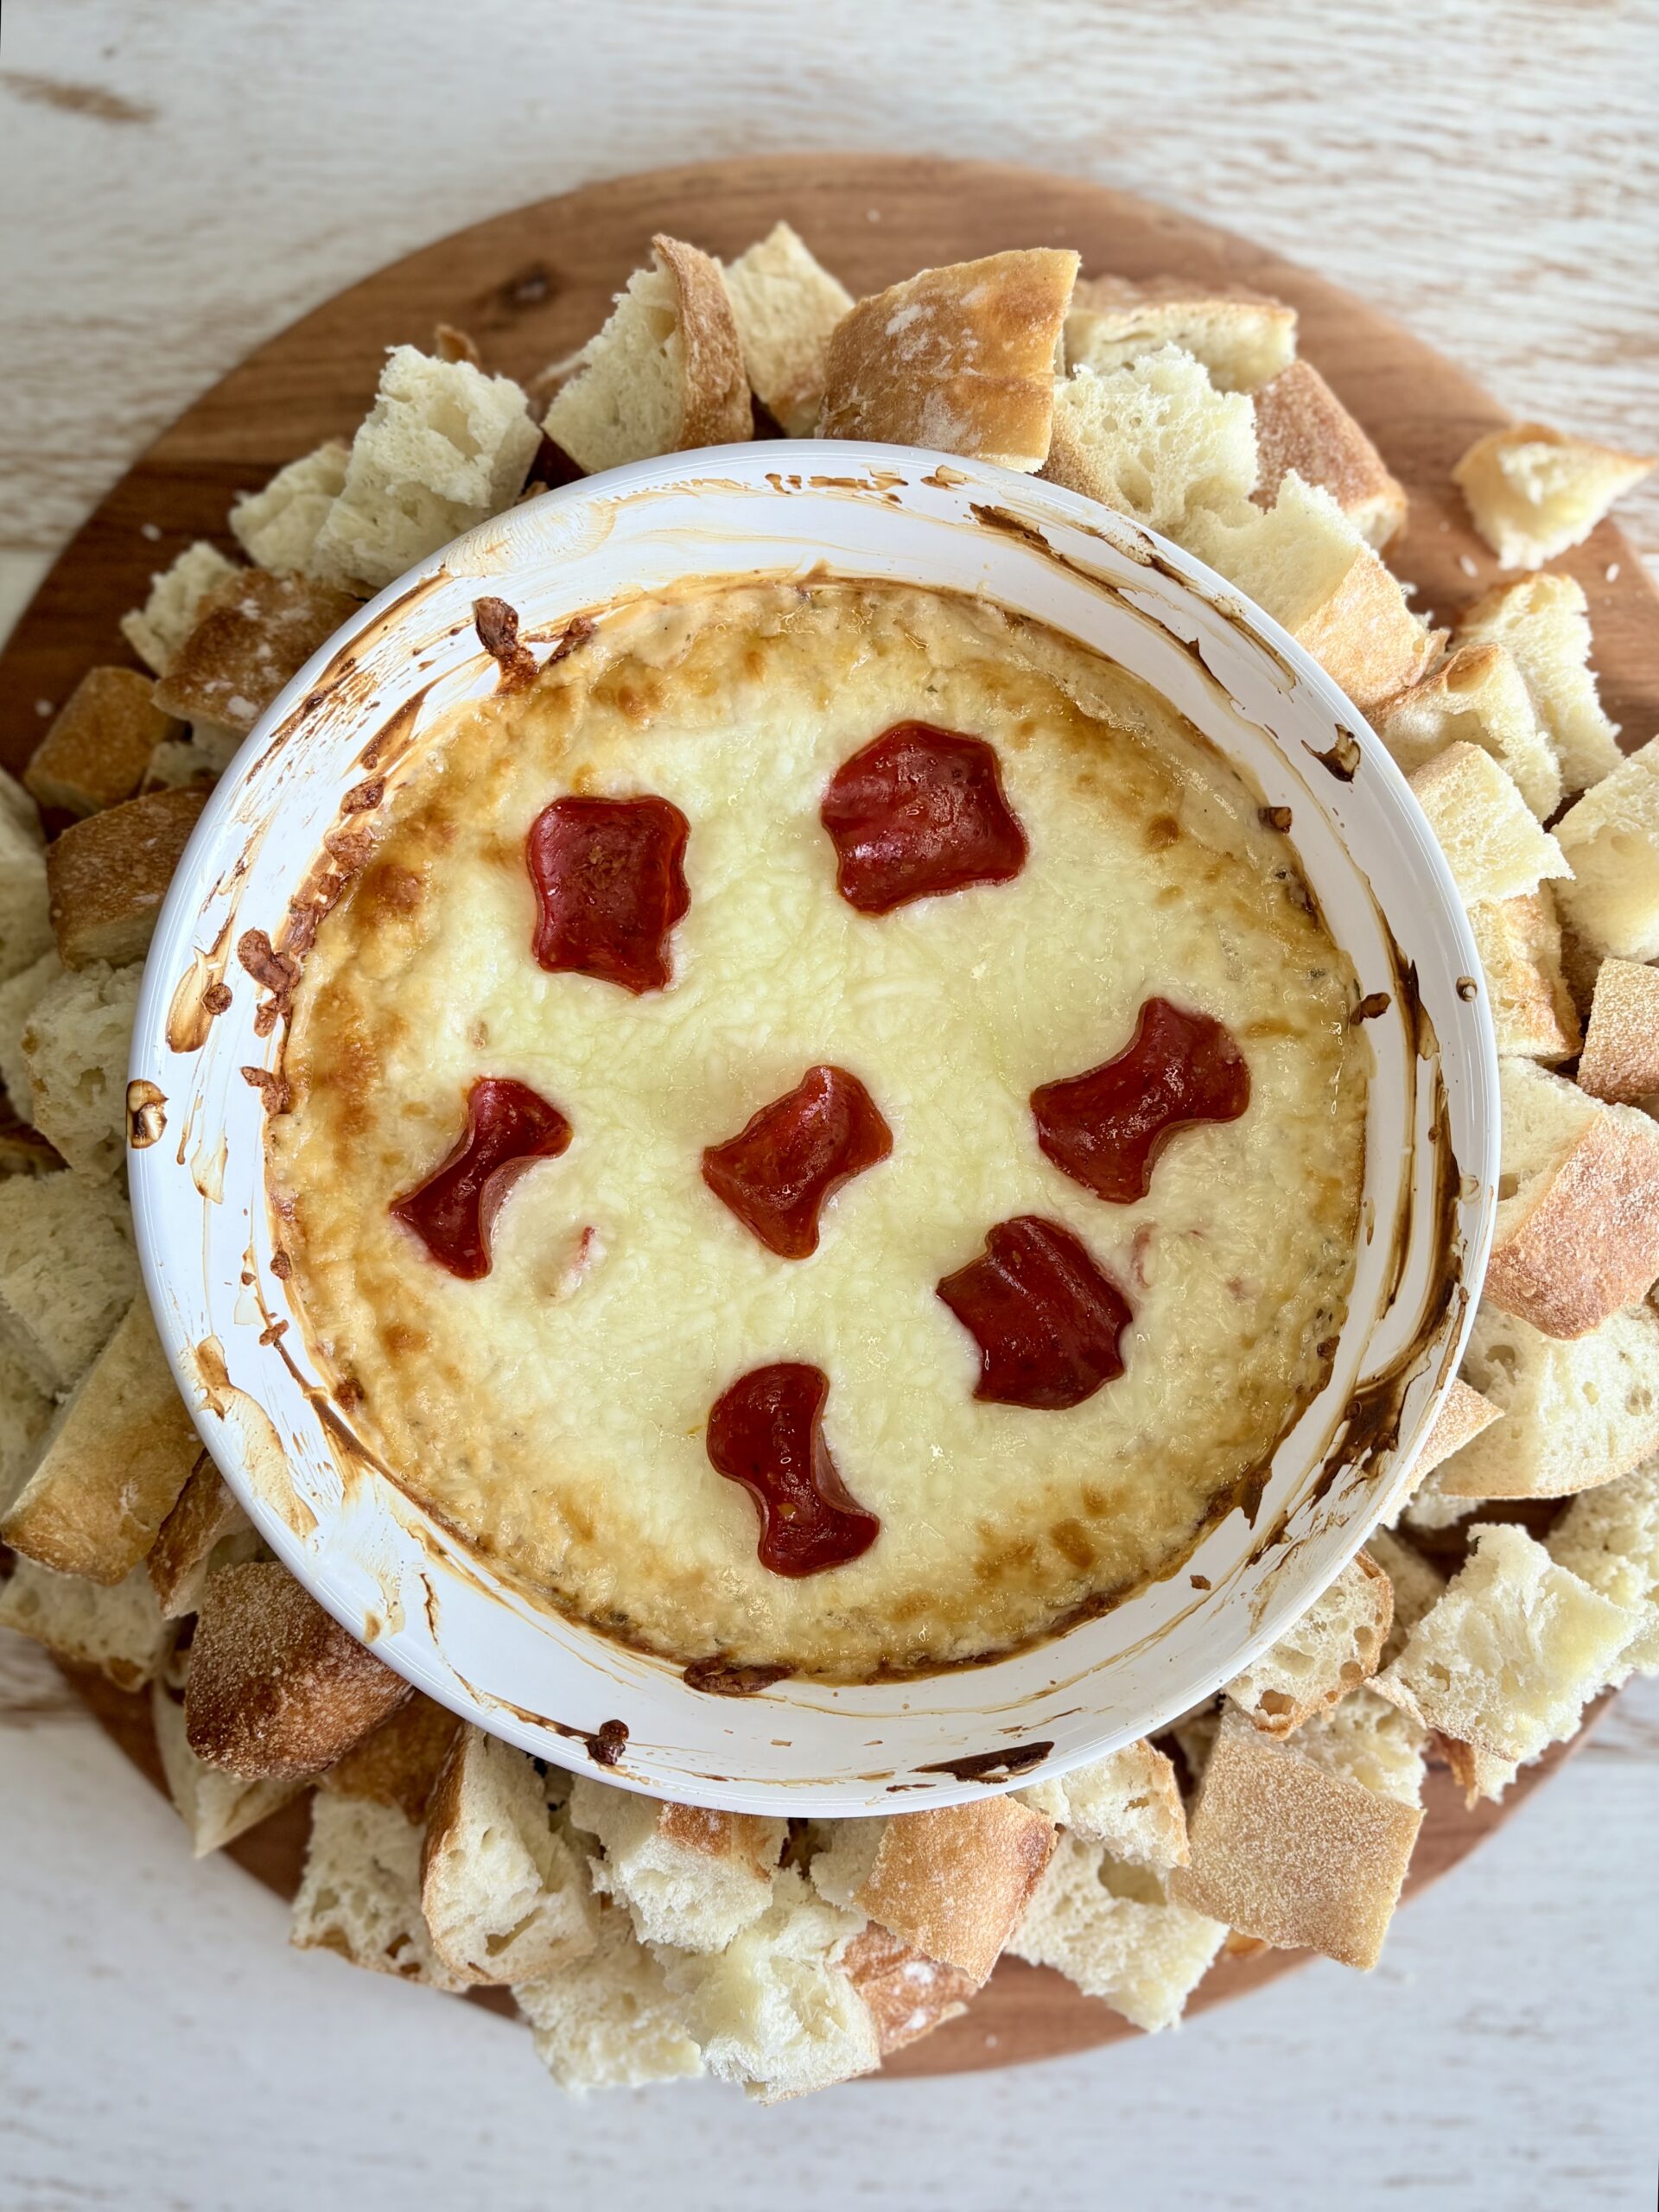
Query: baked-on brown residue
(1343, 757)
(607, 1745)
(1370, 1005)
(497, 623)
(990, 1766)
(718, 1678)
(70, 99)
(146, 1113)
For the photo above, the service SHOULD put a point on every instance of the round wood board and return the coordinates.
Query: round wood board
(532, 285)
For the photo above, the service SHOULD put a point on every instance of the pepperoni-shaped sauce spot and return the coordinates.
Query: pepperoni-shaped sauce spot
(918, 812)
(610, 886)
(508, 1126)
(766, 1432)
(1046, 1320)
(777, 1171)
(1105, 1129)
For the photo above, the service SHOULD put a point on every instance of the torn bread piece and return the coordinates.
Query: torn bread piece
(505, 1893)
(1108, 1927)
(360, 1895)
(1154, 440)
(1513, 1651)
(1130, 1801)
(443, 447)
(250, 636)
(1242, 338)
(116, 1631)
(1576, 1413)
(277, 527)
(1370, 1741)
(96, 752)
(606, 2020)
(1331, 1648)
(777, 2010)
(1519, 941)
(1474, 694)
(1611, 841)
(276, 1686)
(1544, 624)
(75, 1043)
(908, 1995)
(785, 305)
(1610, 1539)
(1576, 1236)
(398, 1762)
(1289, 1850)
(113, 1465)
(665, 375)
(215, 1808)
(206, 1528)
(25, 924)
(1492, 844)
(25, 1415)
(952, 1882)
(155, 630)
(68, 1273)
(19, 996)
(1463, 1412)
(1620, 1062)
(106, 876)
(1533, 491)
(959, 359)
(689, 1876)
(1300, 424)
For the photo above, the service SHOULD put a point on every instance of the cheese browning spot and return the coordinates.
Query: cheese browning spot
(1047, 1321)
(766, 1432)
(508, 1126)
(610, 885)
(917, 813)
(787, 1162)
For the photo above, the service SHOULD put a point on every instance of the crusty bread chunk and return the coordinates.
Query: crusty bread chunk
(1129, 1801)
(606, 2020)
(75, 1043)
(68, 1273)
(443, 447)
(1621, 1043)
(277, 527)
(776, 2009)
(1544, 623)
(118, 1632)
(155, 630)
(1370, 1741)
(665, 373)
(1153, 439)
(1108, 1927)
(276, 1686)
(786, 304)
(360, 1893)
(1334, 1647)
(1533, 491)
(1519, 941)
(1513, 1651)
(1611, 841)
(215, 1808)
(1475, 695)
(106, 876)
(25, 926)
(505, 1893)
(251, 636)
(1304, 563)
(398, 1762)
(1243, 338)
(1300, 424)
(1463, 1412)
(1576, 1412)
(206, 1528)
(1289, 1850)
(25, 1414)
(952, 1882)
(1492, 844)
(19, 996)
(113, 1465)
(960, 359)
(1576, 1236)
(1610, 1539)
(908, 1995)
(688, 1876)
(97, 750)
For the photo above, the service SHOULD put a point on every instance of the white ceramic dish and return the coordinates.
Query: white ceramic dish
(391, 1574)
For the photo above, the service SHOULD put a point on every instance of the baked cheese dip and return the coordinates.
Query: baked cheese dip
(827, 1135)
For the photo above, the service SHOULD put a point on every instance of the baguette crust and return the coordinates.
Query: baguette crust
(716, 410)
(398, 1762)
(1463, 1412)
(97, 750)
(205, 1513)
(1621, 1045)
(254, 632)
(106, 877)
(954, 1882)
(908, 1994)
(1301, 424)
(1590, 1245)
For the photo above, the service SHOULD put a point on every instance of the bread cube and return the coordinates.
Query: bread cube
(1129, 1801)
(1611, 841)
(68, 1273)
(1533, 491)
(1610, 1539)
(785, 305)
(1108, 1927)
(1300, 424)
(443, 447)
(689, 1876)
(96, 752)
(1463, 1412)
(606, 2020)
(908, 1996)
(1494, 848)
(1519, 941)
(360, 1895)
(1575, 1414)
(1475, 696)
(250, 638)
(1514, 1650)
(400, 1762)
(206, 1527)
(19, 996)
(215, 1808)
(1153, 439)
(155, 630)
(75, 1043)
(106, 876)
(960, 359)
(25, 926)
(1544, 624)
(115, 1632)
(1241, 337)
(276, 528)
(1334, 1648)
(1621, 1045)
(1576, 1236)
(1371, 1742)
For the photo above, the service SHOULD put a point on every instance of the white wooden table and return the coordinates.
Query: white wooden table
(179, 183)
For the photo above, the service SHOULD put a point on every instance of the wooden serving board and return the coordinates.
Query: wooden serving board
(532, 285)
